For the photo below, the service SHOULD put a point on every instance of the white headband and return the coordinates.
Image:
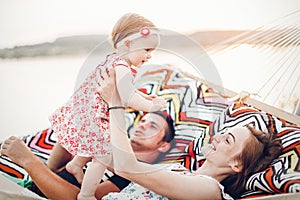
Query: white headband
(143, 33)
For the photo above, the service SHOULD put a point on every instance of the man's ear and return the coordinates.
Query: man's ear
(164, 147)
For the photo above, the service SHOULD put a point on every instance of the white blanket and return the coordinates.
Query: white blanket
(12, 191)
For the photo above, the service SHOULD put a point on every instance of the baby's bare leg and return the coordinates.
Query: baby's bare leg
(75, 167)
(92, 178)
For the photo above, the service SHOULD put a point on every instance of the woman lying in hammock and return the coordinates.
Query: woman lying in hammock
(231, 158)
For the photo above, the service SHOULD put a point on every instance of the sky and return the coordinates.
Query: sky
(25, 22)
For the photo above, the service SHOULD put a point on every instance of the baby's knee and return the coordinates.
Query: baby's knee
(103, 160)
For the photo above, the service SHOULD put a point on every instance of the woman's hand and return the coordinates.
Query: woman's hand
(108, 89)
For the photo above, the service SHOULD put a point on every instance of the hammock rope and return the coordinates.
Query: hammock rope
(279, 44)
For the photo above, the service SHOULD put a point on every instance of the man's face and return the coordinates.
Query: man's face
(148, 134)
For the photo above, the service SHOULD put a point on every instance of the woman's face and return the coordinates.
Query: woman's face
(225, 147)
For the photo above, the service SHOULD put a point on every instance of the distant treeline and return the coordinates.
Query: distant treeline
(76, 45)
(72, 45)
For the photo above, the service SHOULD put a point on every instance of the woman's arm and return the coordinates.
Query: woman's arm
(133, 98)
(165, 183)
(48, 182)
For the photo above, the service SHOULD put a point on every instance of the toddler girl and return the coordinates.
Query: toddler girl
(82, 124)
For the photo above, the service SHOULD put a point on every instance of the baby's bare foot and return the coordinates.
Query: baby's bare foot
(76, 171)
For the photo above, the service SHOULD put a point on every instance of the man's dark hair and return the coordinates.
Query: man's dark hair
(170, 130)
(170, 133)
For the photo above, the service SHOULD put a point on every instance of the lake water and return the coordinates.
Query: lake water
(31, 89)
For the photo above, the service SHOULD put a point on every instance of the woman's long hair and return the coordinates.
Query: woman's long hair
(257, 154)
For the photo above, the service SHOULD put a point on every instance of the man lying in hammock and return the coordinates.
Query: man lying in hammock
(151, 140)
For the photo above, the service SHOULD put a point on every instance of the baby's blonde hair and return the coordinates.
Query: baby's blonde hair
(129, 24)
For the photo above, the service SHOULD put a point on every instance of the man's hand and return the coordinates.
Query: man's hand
(17, 151)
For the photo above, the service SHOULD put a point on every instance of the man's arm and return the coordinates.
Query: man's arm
(105, 188)
(48, 182)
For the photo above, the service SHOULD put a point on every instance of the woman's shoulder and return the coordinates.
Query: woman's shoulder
(218, 185)
(213, 187)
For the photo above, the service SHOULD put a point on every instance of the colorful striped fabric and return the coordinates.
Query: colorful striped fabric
(198, 113)
(191, 104)
(40, 143)
(282, 176)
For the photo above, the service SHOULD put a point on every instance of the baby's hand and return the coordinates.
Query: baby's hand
(151, 96)
(159, 104)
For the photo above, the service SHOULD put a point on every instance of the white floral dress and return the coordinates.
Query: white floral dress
(82, 123)
(135, 191)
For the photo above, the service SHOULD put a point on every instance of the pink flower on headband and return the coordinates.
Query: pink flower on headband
(145, 31)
